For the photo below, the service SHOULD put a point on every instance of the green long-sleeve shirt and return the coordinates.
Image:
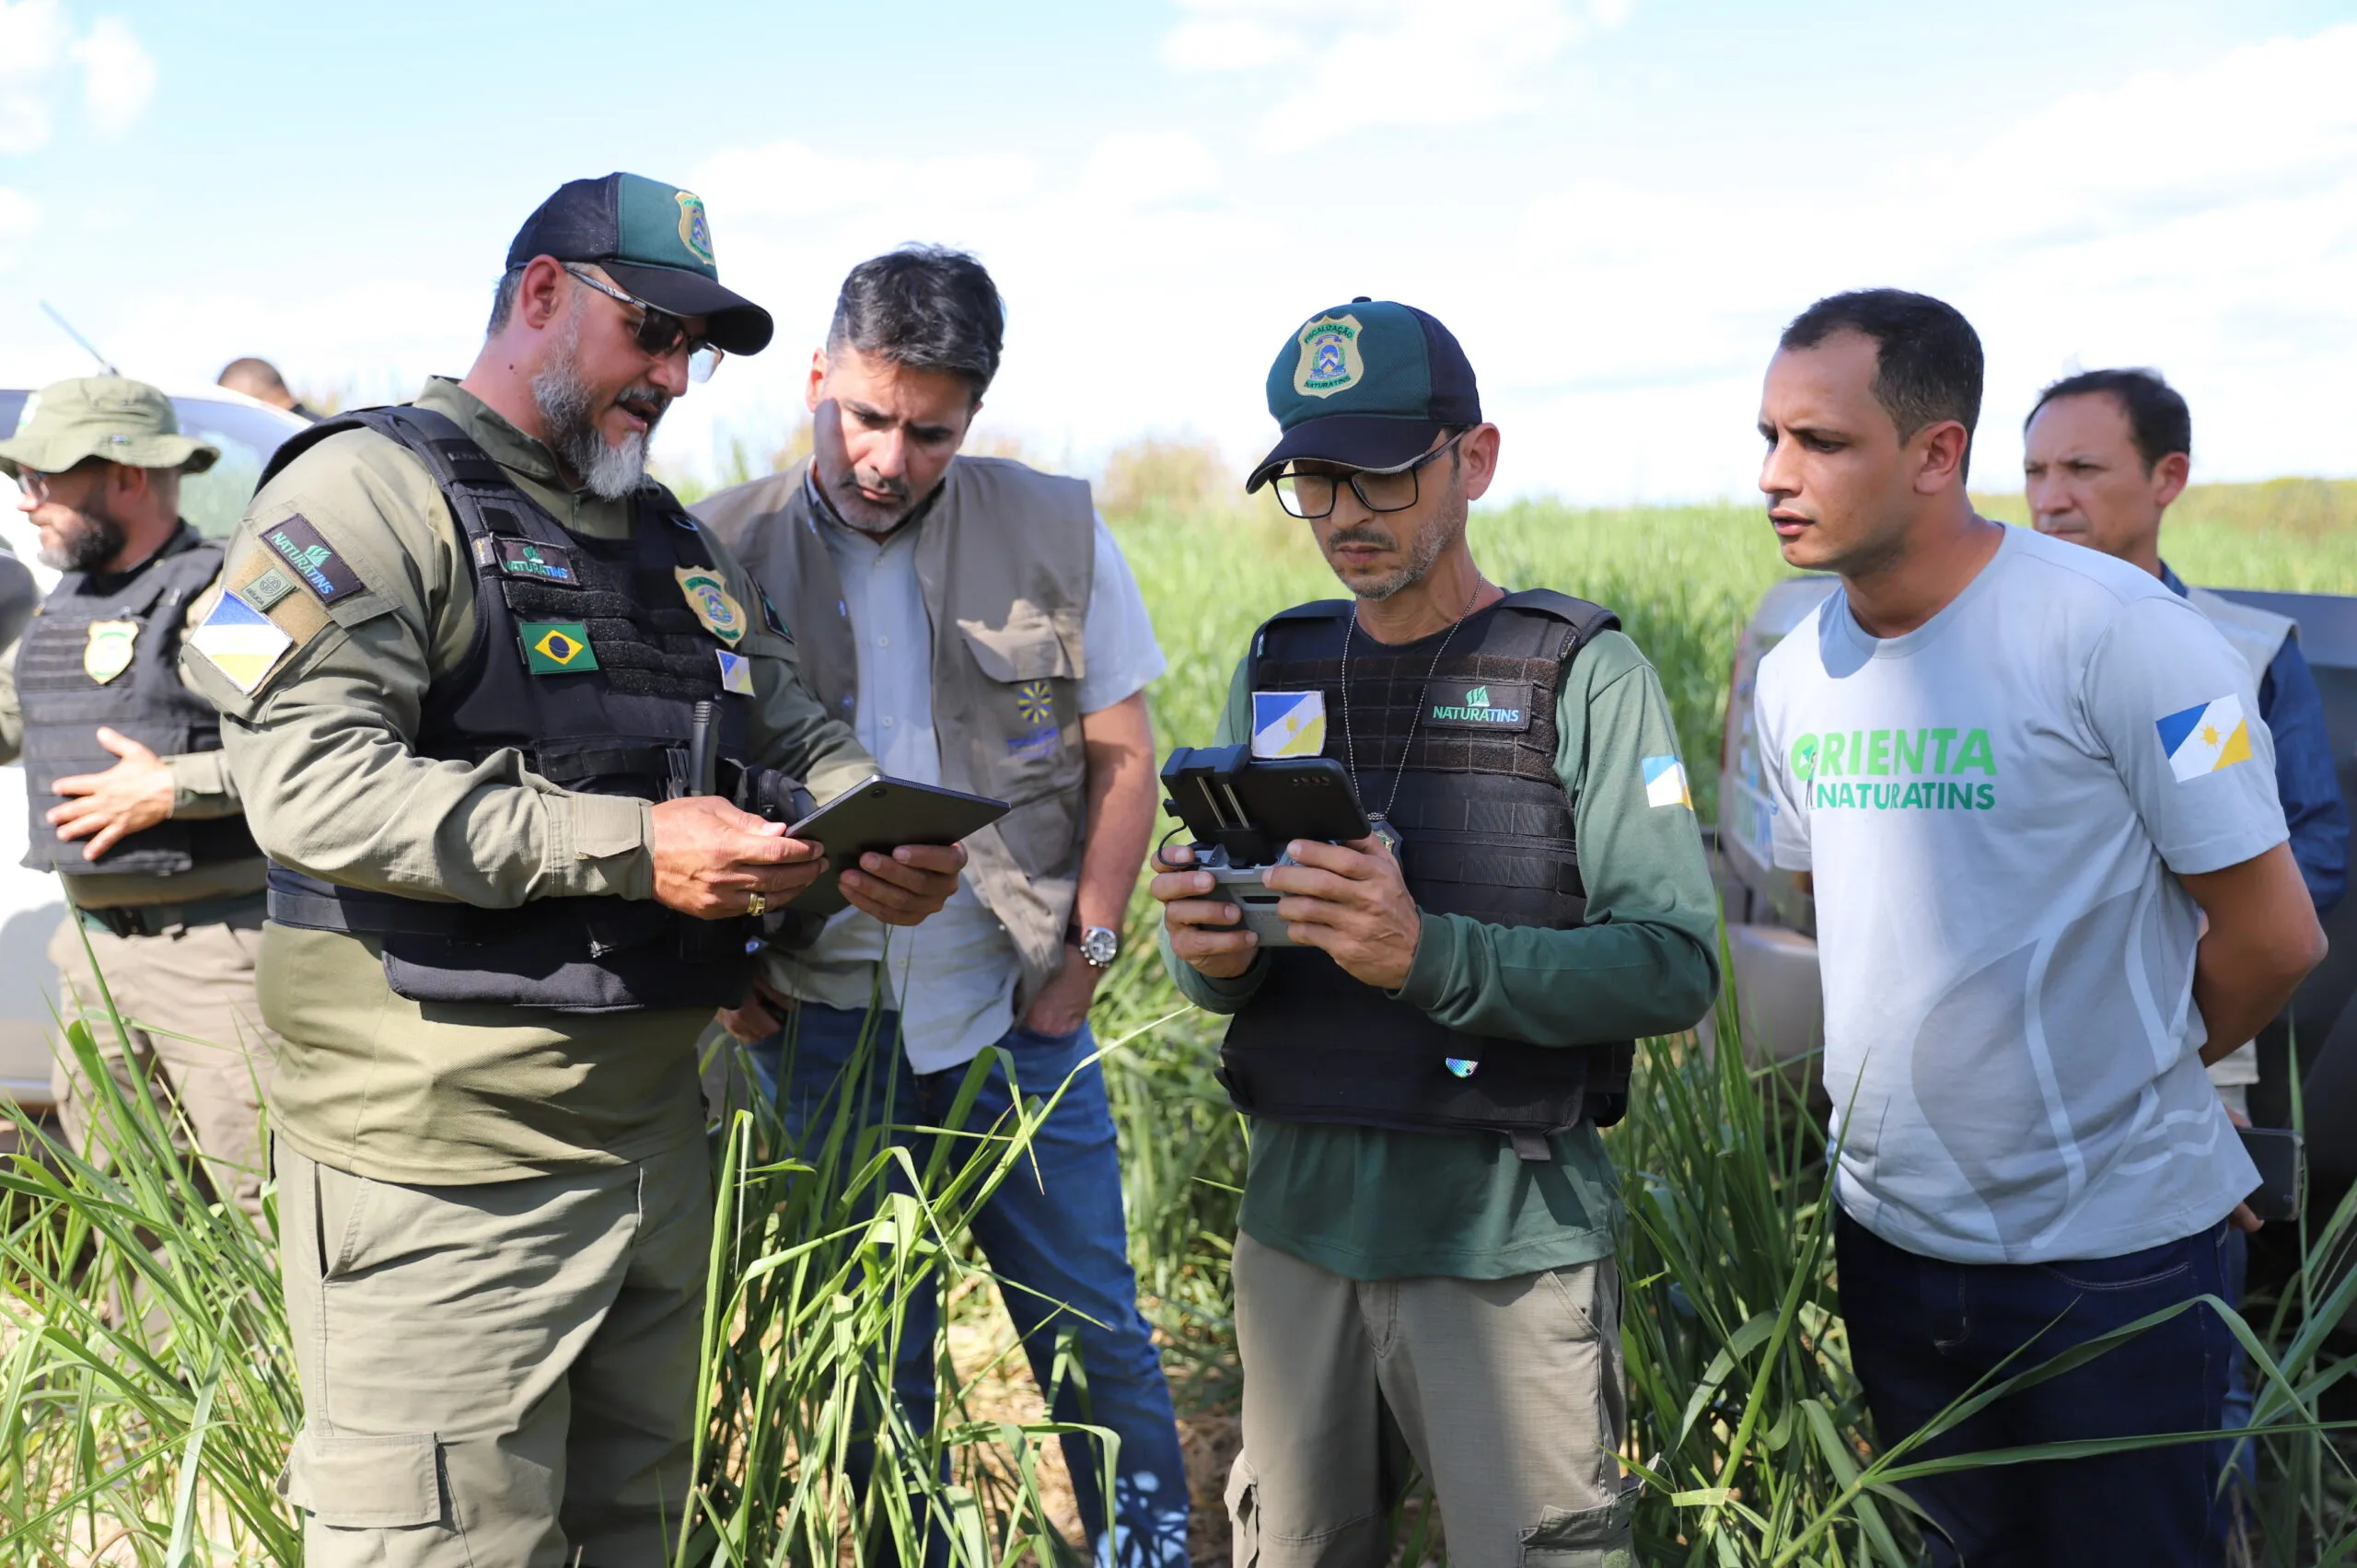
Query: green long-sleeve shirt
(1371, 1204)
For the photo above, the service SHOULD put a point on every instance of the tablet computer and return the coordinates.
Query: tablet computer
(880, 814)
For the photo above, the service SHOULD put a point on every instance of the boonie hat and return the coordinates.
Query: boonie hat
(112, 417)
(655, 241)
(1370, 384)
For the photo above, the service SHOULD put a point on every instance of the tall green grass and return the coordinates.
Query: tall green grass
(146, 1394)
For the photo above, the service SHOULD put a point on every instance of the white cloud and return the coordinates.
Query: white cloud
(795, 179)
(1139, 168)
(118, 75)
(19, 216)
(1329, 69)
(38, 50)
(33, 40)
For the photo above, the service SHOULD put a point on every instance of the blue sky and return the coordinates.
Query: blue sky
(1615, 203)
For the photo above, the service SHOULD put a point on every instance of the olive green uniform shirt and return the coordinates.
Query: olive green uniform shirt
(322, 749)
(202, 787)
(1372, 1203)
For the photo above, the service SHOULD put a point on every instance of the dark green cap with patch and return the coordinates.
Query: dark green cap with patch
(1370, 384)
(655, 241)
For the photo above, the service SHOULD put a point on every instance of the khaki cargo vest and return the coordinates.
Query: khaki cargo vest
(1006, 558)
(2257, 635)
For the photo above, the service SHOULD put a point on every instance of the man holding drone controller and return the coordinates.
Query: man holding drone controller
(1426, 1247)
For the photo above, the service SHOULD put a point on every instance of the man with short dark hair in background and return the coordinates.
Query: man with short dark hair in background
(260, 379)
(973, 620)
(2051, 877)
(2105, 453)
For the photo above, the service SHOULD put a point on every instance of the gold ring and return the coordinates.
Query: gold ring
(755, 904)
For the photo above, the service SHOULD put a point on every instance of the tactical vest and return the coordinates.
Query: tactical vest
(1005, 559)
(1488, 832)
(104, 649)
(622, 723)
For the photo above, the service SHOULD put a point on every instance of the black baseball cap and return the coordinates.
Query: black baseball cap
(1371, 384)
(655, 241)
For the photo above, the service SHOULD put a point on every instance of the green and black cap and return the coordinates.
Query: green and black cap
(655, 241)
(1370, 384)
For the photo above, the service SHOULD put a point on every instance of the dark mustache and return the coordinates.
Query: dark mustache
(1362, 535)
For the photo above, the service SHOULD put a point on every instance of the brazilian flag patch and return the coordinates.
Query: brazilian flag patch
(557, 647)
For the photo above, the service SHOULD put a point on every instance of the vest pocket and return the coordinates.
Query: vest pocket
(1031, 647)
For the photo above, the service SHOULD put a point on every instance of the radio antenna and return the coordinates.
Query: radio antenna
(87, 345)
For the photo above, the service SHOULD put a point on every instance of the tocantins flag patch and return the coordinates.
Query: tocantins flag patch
(1665, 782)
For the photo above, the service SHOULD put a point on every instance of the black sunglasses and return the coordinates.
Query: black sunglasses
(659, 334)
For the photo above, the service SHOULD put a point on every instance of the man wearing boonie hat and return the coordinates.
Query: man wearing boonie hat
(1426, 1232)
(516, 734)
(131, 802)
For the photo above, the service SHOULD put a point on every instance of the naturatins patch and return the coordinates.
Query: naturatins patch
(314, 559)
(1330, 357)
(538, 563)
(1493, 704)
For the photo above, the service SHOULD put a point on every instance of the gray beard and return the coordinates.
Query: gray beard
(608, 471)
(93, 540)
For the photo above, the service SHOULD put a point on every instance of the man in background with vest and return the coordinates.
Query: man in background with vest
(976, 622)
(1427, 1223)
(132, 804)
(497, 702)
(2105, 454)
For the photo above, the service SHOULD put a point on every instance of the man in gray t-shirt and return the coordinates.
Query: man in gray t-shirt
(2020, 775)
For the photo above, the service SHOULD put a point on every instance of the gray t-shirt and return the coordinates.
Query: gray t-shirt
(1991, 807)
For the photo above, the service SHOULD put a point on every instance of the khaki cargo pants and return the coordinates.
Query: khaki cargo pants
(498, 1374)
(187, 1001)
(1506, 1393)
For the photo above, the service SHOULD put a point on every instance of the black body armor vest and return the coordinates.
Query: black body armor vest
(1488, 832)
(125, 627)
(623, 726)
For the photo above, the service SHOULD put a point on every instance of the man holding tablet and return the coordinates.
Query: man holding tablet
(1426, 1247)
(974, 621)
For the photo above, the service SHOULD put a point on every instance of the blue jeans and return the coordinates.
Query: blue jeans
(1053, 1232)
(1922, 1333)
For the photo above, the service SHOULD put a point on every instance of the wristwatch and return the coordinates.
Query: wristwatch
(1098, 945)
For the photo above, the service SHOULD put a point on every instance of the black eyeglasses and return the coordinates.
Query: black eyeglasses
(41, 486)
(659, 334)
(1312, 495)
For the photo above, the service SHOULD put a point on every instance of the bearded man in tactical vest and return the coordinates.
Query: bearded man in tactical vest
(516, 734)
(131, 802)
(975, 620)
(1427, 1233)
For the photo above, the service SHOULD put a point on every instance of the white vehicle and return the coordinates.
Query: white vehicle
(248, 432)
